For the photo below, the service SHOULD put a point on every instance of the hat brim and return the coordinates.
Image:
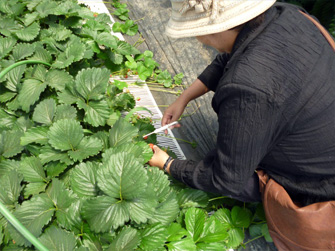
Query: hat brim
(229, 19)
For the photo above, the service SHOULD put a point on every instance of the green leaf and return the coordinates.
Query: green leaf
(176, 232)
(192, 198)
(6, 46)
(141, 208)
(65, 112)
(213, 231)
(160, 182)
(255, 230)
(166, 211)
(106, 39)
(42, 54)
(58, 79)
(236, 237)
(120, 84)
(92, 83)
(30, 93)
(23, 50)
(29, 18)
(125, 48)
(265, 232)
(7, 165)
(213, 246)
(122, 177)
(96, 112)
(153, 237)
(55, 239)
(14, 78)
(37, 135)
(88, 146)
(143, 72)
(7, 96)
(182, 245)
(50, 154)
(34, 188)
(10, 143)
(241, 217)
(104, 213)
(223, 215)
(165, 78)
(70, 218)
(28, 33)
(65, 134)
(60, 33)
(46, 8)
(122, 132)
(10, 188)
(34, 214)
(54, 169)
(195, 220)
(45, 111)
(127, 239)
(83, 179)
(32, 170)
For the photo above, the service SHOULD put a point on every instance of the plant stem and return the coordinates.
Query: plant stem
(9, 68)
(21, 229)
(217, 198)
(253, 239)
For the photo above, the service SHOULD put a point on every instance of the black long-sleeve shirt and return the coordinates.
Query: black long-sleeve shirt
(275, 101)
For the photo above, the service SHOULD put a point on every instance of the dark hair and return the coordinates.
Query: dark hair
(253, 23)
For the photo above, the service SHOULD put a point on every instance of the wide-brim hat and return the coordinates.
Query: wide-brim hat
(192, 18)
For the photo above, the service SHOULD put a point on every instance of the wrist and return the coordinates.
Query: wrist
(167, 164)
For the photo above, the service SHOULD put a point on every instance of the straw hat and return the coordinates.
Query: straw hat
(192, 18)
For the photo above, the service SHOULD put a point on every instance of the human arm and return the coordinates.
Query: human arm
(247, 129)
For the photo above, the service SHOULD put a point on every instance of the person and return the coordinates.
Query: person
(274, 84)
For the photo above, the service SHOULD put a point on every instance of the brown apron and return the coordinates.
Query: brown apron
(293, 227)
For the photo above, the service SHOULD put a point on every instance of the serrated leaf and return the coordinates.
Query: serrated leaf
(83, 179)
(122, 177)
(92, 83)
(160, 182)
(127, 239)
(58, 79)
(55, 239)
(6, 46)
(50, 154)
(23, 50)
(65, 134)
(134, 149)
(213, 231)
(195, 220)
(63, 61)
(32, 170)
(265, 233)
(10, 143)
(106, 39)
(71, 219)
(104, 213)
(153, 237)
(41, 54)
(10, 188)
(125, 48)
(192, 198)
(60, 33)
(14, 78)
(34, 188)
(7, 96)
(122, 132)
(236, 237)
(241, 217)
(224, 216)
(30, 93)
(34, 214)
(45, 111)
(28, 33)
(46, 8)
(54, 169)
(65, 112)
(29, 18)
(166, 211)
(96, 112)
(212, 246)
(7, 165)
(141, 208)
(88, 146)
(37, 135)
(182, 245)
(116, 58)
(176, 232)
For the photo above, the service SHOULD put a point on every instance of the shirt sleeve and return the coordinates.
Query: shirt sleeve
(247, 129)
(213, 72)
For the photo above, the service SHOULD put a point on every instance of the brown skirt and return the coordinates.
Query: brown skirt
(293, 227)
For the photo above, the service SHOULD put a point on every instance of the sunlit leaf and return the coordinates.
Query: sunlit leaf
(55, 239)
(127, 239)
(45, 111)
(28, 33)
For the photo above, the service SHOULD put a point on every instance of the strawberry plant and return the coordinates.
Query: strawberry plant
(73, 166)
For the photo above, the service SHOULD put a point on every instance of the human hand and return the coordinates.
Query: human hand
(173, 113)
(159, 158)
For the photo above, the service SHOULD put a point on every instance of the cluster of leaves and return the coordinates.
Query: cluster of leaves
(142, 65)
(72, 168)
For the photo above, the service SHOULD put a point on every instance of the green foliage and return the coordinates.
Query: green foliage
(73, 166)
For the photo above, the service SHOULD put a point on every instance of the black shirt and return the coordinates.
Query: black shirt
(275, 101)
